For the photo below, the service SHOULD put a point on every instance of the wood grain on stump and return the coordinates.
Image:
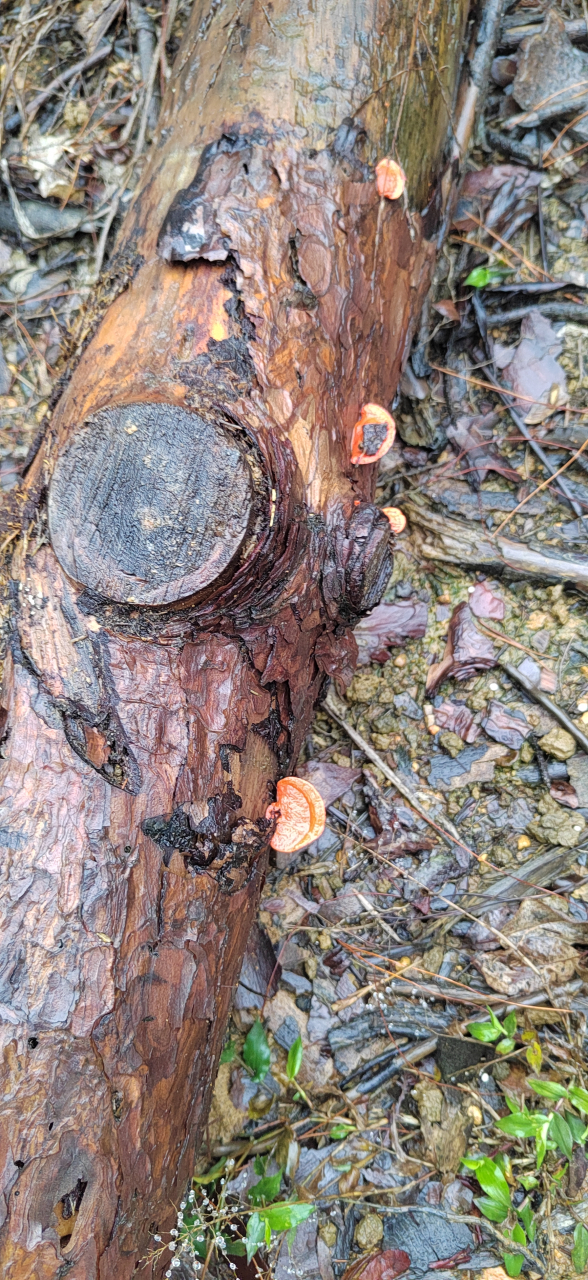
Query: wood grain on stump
(149, 503)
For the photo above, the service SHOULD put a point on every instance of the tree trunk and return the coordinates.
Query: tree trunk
(197, 547)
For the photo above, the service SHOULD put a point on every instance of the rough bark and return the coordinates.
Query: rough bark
(197, 548)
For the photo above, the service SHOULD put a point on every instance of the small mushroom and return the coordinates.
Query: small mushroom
(396, 518)
(390, 178)
(300, 812)
(373, 435)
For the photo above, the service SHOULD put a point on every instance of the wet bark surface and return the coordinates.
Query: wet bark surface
(197, 549)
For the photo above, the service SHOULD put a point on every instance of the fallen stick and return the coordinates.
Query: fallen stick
(546, 702)
(461, 543)
(442, 825)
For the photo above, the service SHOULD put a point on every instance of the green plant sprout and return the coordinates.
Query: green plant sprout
(555, 1131)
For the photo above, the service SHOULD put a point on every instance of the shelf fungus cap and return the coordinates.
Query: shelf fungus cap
(373, 434)
(300, 812)
(396, 519)
(390, 178)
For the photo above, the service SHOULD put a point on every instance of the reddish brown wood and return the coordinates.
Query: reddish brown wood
(151, 700)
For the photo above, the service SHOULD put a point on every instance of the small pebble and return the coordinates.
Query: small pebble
(369, 1231)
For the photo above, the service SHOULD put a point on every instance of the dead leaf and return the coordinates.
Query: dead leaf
(534, 372)
(457, 718)
(384, 1266)
(564, 793)
(466, 651)
(330, 780)
(447, 308)
(390, 624)
(474, 437)
(484, 602)
(501, 196)
(505, 726)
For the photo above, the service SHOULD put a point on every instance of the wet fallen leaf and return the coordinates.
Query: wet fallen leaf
(447, 308)
(534, 373)
(457, 718)
(390, 624)
(474, 438)
(501, 196)
(466, 651)
(330, 780)
(505, 726)
(564, 793)
(385, 1266)
(484, 602)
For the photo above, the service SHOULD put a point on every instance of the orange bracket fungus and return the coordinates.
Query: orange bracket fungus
(390, 179)
(396, 519)
(300, 812)
(373, 434)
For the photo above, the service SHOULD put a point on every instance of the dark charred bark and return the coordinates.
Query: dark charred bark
(198, 548)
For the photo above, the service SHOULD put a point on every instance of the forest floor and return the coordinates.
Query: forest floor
(414, 996)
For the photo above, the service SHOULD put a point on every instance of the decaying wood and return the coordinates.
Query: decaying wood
(197, 549)
(450, 541)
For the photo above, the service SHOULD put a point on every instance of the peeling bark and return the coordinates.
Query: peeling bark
(198, 549)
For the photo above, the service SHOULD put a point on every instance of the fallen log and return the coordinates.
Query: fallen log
(196, 547)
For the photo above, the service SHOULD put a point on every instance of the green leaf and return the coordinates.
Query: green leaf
(256, 1052)
(510, 1023)
(562, 1133)
(266, 1189)
(228, 1053)
(340, 1131)
(287, 1214)
(491, 1208)
(541, 1144)
(526, 1216)
(503, 1160)
(255, 1234)
(548, 1089)
(579, 1097)
(580, 1249)
(518, 1125)
(484, 1031)
(259, 1164)
(481, 276)
(505, 1046)
(236, 1247)
(491, 1179)
(513, 1263)
(199, 1247)
(518, 1234)
(577, 1126)
(213, 1173)
(528, 1181)
(294, 1062)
